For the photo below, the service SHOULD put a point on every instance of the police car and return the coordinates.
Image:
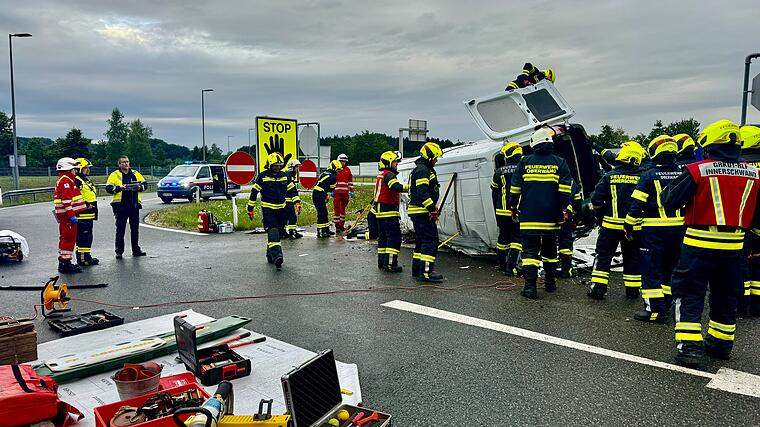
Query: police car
(196, 180)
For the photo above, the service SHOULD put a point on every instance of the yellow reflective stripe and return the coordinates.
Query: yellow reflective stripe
(77, 197)
(421, 181)
(515, 190)
(549, 260)
(712, 245)
(273, 244)
(688, 336)
(745, 195)
(666, 290)
(412, 209)
(252, 203)
(392, 251)
(427, 202)
(539, 226)
(566, 251)
(517, 246)
(426, 258)
(720, 218)
(392, 181)
(318, 188)
(256, 187)
(387, 214)
(688, 326)
(722, 326)
(631, 220)
(640, 195)
(613, 190)
(326, 224)
(599, 276)
(503, 212)
(502, 246)
(272, 205)
(721, 240)
(662, 222)
(540, 177)
(564, 188)
(720, 335)
(503, 195)
(652, 293)
(494, 185)
(83, 250)
(530, 262)
(86, 216)
(660, 208)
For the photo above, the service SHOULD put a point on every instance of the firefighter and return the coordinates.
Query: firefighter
(126, 184)
(344, 191)
(86, 218)
(320, 195)
(720, 195)
(685, 149)
(531, 75)
(386, 201)
(507, 249)
(661, 230)
(565, 243)
(294, 167)
(422, 209)
(611, 199)
(275, 188)
(749, 302)
(69, 203)
(539, 195)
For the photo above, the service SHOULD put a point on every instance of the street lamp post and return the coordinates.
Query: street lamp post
(13, 110)
(228, 144)
(249, 139)
(203, 119)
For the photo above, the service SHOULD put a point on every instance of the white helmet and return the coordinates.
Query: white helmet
(66, 164)
(540, 136)
(398, 154)
(293, 163)
(343, 157)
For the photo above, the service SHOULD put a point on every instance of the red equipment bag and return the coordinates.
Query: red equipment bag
(27, 398)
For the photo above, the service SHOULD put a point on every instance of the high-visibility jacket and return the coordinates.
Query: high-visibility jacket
(613, 195)
(540, 191)
(646, 208)
(326, 182)
(275, 189)
(292, 175)
(720, 199)
(423, 188)
(530, 75)
(67, 199)
(502, 180)
(387, 194)
(118, 179)
(90, 195)
(344, 181)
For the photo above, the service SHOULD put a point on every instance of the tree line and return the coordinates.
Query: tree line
(609, 137)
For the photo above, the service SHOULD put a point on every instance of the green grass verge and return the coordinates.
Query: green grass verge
(27, 182)
(185, 216)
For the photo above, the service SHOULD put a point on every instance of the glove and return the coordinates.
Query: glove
(515, 216)
(628, 232)
(332, 194)
(434, 215)
(351, 195)
(298, 208)
(118, 189)
(73, 220)
(565, 216)
(251, 215)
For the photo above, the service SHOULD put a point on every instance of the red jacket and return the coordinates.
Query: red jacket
(67, 198)
(344, 181)
(726, 194)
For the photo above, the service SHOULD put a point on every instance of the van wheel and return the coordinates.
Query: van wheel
(166, 200)
(229, 196)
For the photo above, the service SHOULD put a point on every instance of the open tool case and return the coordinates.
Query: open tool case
(211, 364)
(313, 397)
(74, 324)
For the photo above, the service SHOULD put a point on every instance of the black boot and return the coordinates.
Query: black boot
(645, 315)
(550, 283)
(502, 260)
(598, 291)
(529, 290)
(566, 266)
(328, 231)
(294, 234)
(428, 273)
(717, 349)
(66, 267)
(754, 306)
(415, 268)
(90, 260)
(392, 265)
(690, 355)
(278, 262)
(382, 261)
(270, 259)
(631, 292)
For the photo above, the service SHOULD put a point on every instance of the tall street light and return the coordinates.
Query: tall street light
(228, 144)
(13, 110)
(203, 119)
(249, 139)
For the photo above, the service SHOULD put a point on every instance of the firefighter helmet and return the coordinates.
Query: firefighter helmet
(66, 164)
(343, 158)
(294, 164)
(540, 136)
(431, 151)
(387, 159)
(275, 159)
(630, 152)
(684, 142)
(511, 149)
(335, 165)
(549, 75)
(83, 163)
(720, 132)
(750, 136)
(662, 144)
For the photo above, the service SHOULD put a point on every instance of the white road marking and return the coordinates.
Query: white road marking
(726, 379)
(154, 227)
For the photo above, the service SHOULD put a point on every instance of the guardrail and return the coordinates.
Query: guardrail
(34, 192)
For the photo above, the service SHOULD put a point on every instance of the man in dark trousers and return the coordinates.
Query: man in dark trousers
(422, 209)
(719, 195)
(126, 184)
(387, 198)
(319, 195)
(508, 245)
(294, 168)
(539, 196)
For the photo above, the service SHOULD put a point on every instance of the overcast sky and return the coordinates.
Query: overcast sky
(356, 65)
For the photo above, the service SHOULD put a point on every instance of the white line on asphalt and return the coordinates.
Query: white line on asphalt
(142, 224)
(726, 379)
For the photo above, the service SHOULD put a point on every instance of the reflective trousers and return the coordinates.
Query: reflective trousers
(320, 204)
(606, 245)
(84, 237)
(545, 245)
(751, 294)
(698, 269)
(340, 202)
(67, 238)
(660, 250)
(425, 246)
(389, 237)
(274, 221)
(508, 245)
(292, 218)
(373, 230)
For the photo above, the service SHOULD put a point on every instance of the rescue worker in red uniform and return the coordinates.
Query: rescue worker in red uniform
(685, 149)
(86, 218)
(661, 230)
(612, 198)
(423, 211)
(320, 195)
(292, 228)
(508, 245)
(539, 195)
(275, 188)
(531, 75)
(68, 202)
(720, 196)
(344, 191)
(749, 302)
(387, 199)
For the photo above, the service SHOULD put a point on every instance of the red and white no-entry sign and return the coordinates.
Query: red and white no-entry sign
(241, 168)
(308, 174)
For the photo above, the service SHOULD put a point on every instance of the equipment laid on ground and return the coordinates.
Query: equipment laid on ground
(10, 248)
(86, 322)
(137, 379)
(74, 366)
(18, 342)
(313, 395)
(211, 364)
(218, 412)
(28, 398)
(54, 299)
(206, 222)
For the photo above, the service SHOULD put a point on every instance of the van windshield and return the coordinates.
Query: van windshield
(183, 170)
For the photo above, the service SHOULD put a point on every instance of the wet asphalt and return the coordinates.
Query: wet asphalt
(424, 371)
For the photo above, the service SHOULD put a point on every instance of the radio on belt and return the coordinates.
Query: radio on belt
(212, 364)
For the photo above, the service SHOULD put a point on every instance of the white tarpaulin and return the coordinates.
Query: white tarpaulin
(269, 361)
(16, 236)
